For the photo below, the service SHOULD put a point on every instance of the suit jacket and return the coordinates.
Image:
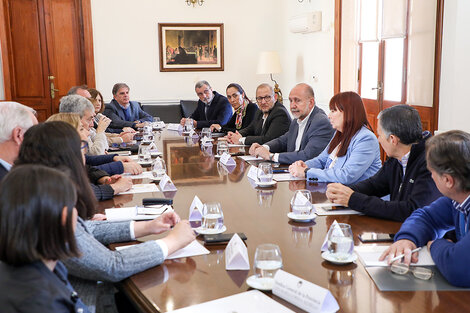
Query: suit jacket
(97, 262)
(3, 172)
(361, 161)
(277, 123)
(250, 112)
(34, 288)
(317, 134)
(118, 119)
(219, 112)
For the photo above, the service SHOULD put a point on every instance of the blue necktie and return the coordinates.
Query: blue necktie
(126, 114)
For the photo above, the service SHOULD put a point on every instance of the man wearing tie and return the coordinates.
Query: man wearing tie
(212, 107)
(309, 133)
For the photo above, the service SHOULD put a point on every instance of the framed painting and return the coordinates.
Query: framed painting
(191, 47)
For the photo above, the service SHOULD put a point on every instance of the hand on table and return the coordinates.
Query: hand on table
(215, 127)
(253, 148)
(297, 169)
(133, 168)
(127, 136)
(122, 184)
(158, 225)
(403, 246)
(179, 237)
(262, 152)
(128, 130)
(338, 193)
(234, 138)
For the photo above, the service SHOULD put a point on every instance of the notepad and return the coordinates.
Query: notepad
(285, 177)
(135, 213)
(192, 249)
(250, 158)
(369, 255)
(141, 188)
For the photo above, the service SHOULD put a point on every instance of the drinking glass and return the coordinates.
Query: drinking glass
(340, 241)
(147, 129)
(147, 137)
(158, 168)
(156, 119)
(301, 202)
(212, 216)
(206, 132)
(144, 154)
(265, 172)
(268, 260)
(188, 125)
(222, 146)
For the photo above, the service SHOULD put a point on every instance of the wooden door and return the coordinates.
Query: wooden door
(47, 48)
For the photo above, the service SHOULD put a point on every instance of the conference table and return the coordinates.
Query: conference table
(260, 213)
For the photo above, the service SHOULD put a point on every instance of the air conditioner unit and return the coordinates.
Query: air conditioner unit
(305, 23)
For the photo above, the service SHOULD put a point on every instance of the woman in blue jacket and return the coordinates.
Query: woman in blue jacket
(353, 154)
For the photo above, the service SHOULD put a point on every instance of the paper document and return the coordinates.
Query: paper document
(328, 208)
(147, 174)
(285, 177)
(245, 302)
(173, 126)
(135, 213)
(141, 188)
(369, 255)
(194, 248)
(250, 158)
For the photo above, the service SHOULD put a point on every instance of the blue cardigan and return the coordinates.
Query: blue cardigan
(431, 223)
(361, 161)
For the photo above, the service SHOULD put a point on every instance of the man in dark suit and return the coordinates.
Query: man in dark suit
(123, 112)
(212, 107)
(15, 119)
(309, 133)
(270, 122)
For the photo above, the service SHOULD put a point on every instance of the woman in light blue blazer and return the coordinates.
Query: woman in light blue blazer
(353, 154)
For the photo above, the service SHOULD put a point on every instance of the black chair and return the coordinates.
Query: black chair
(170, 113)
(188, 107)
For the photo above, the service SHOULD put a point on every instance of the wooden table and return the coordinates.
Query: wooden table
(262, 215)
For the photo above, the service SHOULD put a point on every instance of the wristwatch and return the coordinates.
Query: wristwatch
(306, 170)
(271, 156)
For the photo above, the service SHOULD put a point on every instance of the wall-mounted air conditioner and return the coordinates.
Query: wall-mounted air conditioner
(305, 23)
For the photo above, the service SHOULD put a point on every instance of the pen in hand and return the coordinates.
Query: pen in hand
(398, 257)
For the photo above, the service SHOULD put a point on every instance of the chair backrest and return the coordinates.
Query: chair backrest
(168, 113)
(188, 107)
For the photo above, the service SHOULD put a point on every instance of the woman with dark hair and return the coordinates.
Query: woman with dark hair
(96, 95)
(244, 110)
(37, 224)
(57, 144)
(353, 154)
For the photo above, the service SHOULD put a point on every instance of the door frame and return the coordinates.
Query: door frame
(87, 46)
(432, 112)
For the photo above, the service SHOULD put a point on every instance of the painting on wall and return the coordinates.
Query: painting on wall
(191, 47)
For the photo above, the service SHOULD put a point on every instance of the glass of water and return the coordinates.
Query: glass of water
(265, 172)
(188, 125)
(340, 241)
(268, 260)
(144, 154)
(212, 216)
(222, 146)
(301, 202)
(206, 132)
(158, 168)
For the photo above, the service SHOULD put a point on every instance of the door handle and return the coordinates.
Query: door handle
(53, 90)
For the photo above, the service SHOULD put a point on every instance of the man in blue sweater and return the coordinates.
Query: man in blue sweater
(448, 159)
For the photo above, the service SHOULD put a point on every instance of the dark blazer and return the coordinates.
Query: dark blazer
(34, 288)
(317, 134)
(250, 112)
(277, 123)
(118, 119)
(3, 172)
(219, 112)
(416, 190)
(105, 163)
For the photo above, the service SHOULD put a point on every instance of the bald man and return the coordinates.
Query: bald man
(309, 133)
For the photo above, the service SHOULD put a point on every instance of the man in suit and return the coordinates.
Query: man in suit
(212, 107)
(271, 121)
(309, 133)
(123, 112)
(15, 120)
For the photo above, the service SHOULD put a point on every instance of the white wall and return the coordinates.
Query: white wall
(454, 102)
(126, 44)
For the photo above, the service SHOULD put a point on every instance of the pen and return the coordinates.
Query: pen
(281, 171)
(398, 257)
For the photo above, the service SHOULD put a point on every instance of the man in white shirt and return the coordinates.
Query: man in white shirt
(15, 120)
(309, 133)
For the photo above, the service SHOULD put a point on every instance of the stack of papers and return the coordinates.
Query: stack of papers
(136, 213)
(369, 255)
(250, 158)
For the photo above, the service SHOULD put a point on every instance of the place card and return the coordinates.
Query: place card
(192, 133)
(253, 173)
(236, 254)
(166, 184)
(206, 141)
(195, 209)
(336, 229)
(226, 159)
(300, 199)
(304, 294)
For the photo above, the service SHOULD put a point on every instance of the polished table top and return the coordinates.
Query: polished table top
(261, 213)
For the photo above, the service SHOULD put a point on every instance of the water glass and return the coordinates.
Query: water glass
(301, 202)
(212, 216)
(340, 241)
(222, 147)
(265, 172)
(156, 119)
(147, 137)
(144, 154)
(268, 260)
(158, 168)
(188, 125)
(206, 132)
(147, 129)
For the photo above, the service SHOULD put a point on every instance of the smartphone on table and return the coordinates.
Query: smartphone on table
(376, 237)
